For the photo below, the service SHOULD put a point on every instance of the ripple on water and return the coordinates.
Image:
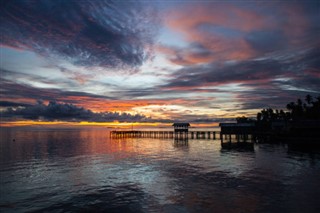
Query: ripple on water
(84, 170)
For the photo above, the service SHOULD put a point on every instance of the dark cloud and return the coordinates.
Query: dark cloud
(297, 66)
(11, 90)
(198, 50)
(270, 82)
(194, 53)
(266, 96)
(266, 41)
(12, 104)
(14, 76)
(305, 74)
(88, 33)
(66, 112)
(247, 71)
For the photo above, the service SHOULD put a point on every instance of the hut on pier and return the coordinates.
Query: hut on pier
(181, 130)
(181, 127)
(241, 131)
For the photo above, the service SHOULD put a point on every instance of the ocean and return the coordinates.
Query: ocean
(84, 170)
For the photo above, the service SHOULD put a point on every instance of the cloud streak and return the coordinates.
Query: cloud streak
(269, 81)
(87, 33)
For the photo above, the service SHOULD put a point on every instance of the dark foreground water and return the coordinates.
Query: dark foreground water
(84, 170)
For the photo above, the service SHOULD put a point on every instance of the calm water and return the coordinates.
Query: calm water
(84, 170)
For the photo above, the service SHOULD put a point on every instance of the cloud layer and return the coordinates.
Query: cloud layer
(265, 82)
(87, 33)
(67, 112)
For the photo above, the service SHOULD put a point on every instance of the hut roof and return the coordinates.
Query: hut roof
(180, 124)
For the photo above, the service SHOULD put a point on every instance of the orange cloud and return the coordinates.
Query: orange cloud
(227, 16)
(223, 29)
(127, 105)
(103, 105)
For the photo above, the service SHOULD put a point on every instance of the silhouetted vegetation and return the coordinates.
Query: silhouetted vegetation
(296, 112)
(305, 110)
(244, 119)
(298, 125)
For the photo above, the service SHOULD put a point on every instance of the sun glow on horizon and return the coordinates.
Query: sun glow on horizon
(113, 125)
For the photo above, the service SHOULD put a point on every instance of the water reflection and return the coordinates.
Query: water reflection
(240, 147)
(85, 170)
(181, 142)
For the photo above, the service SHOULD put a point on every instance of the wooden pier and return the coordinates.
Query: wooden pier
(230, 133)
(237, 132)
(166, 134)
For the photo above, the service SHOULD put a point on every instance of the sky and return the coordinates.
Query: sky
(155, 61)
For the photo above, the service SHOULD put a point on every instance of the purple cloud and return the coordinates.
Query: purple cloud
(87, 33)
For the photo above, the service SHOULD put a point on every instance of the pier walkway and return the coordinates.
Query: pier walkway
(166, 134)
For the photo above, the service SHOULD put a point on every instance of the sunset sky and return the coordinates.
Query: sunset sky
(155, 61)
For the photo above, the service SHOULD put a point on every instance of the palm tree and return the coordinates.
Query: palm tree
(309, 99)
(259, 116)
(299, 102)
(291, 106)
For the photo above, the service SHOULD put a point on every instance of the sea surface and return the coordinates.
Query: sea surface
(84, 170)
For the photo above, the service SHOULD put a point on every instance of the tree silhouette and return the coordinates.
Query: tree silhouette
(309, 99)
(301, 111)
(297, 111)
